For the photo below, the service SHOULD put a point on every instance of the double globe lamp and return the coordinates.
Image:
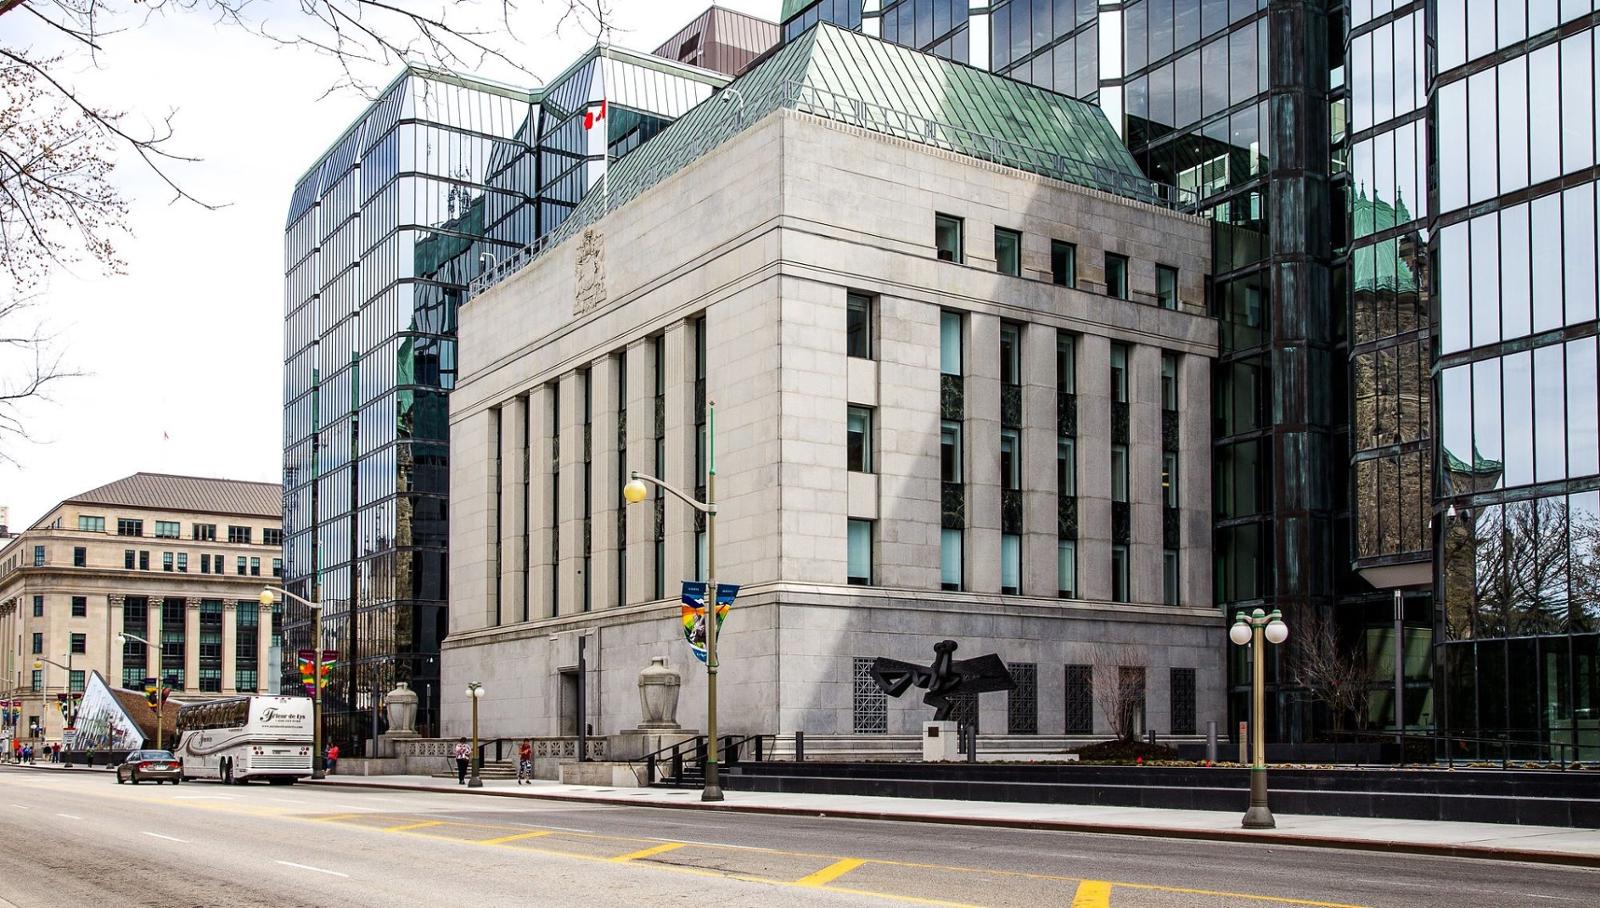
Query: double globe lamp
(1247, 630)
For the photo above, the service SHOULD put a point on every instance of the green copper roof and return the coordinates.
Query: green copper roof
(842, 75)
(790, 7)
(1379, 268)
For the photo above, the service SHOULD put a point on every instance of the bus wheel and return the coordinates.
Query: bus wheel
(227, 772)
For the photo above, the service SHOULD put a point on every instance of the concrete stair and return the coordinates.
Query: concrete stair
(491, 769)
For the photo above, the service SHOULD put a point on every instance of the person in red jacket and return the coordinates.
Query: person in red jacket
(333, 758)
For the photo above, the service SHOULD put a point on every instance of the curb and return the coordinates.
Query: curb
(1477, 852)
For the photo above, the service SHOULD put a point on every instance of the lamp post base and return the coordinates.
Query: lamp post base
(318, 774)
(1258, 816)
(474, 782)
(713, 787)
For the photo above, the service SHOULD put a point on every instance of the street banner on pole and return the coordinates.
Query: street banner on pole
(308, 663)
(694, 612)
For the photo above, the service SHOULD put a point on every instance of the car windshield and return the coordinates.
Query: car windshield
(151, 755)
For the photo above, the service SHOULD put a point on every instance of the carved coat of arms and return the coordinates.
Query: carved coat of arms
(591, 272)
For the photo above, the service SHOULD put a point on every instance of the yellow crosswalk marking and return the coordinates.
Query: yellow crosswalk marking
(648, 852)
(407, 826)
(1092, 894)
(830, 873)
(514, 838)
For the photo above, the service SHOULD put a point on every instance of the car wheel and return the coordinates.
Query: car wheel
(134, 776)
(120, 780)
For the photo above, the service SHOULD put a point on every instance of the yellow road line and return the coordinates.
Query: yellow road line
(830, 873)
(1275, 899)
(915, 900)
(648, 852)
(1092, 894)
(514, 838)
(405, 826)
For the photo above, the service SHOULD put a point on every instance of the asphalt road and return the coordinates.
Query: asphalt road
(76, 838)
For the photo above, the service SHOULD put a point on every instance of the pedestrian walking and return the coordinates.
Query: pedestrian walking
(525, 761)
(27, 753)
(461, 753)
(333, 758)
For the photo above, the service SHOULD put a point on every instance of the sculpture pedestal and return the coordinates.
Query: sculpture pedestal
(638, 743)
(386, 742)
(940, 742)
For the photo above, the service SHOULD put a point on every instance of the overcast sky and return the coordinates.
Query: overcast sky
(185, 351)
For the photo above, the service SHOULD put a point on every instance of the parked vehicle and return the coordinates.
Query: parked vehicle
(238, 739)
(150, 766)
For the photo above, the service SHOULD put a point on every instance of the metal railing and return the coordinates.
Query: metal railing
(629, 177)
(683, 763)
(1448, 748)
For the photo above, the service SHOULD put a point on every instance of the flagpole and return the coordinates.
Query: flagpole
(713, 787)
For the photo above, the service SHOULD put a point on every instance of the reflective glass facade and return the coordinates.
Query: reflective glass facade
(1517, 475)
(439, 178)
(1404, 253)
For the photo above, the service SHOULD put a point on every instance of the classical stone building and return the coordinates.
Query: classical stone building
(960, 362)
(176, 560)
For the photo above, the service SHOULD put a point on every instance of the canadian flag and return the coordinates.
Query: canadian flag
(591, 117)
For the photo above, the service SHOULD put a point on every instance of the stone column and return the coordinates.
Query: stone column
(114, 603)
(472, 530)
(641, 456)
(191, 644)
(982, 457)
(541, 500)
(679, 469)
(1194, 481)
(264, 678)
(1094, 467)
(1040, 526)
(605, 486)
(1144, 473)
(573, 391)
(908, 443)
(513, 502)
(230, 646)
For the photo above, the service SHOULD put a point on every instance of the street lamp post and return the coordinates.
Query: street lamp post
(636, 491)
(266, 600)
(1251, 631)
(475, 693)
(40, 662)
(161, 689)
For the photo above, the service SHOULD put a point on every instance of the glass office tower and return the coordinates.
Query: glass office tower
(442, 177)
(383, 235)
(1512, 232)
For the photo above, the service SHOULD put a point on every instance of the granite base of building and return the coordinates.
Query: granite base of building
(795, 658)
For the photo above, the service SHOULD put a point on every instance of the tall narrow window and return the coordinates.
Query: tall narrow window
(947, 237)
(1169, 381)
(1010, 564)
(1066, 467)
(950, 345)
(860, 557)
(38, 606)
(858, 325)
(166, 561)
(183, 562)
(1007, 251)
(1119, 473)
(950, 451)
(127, 559)
(80, 556)
(1119, 573)
(950, 559)
(1067, 568)
(1166, 287)
(1169, 576)
(80, 606)
(1119, 373)
(1117, 275)
(1063, 263)
(1169, 479)
(858, 435)
(1010, 459)
(1010, 354)
(1066, 363)
(38, 556)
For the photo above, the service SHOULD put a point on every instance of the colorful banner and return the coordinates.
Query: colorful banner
(694, 612)
(308, 667)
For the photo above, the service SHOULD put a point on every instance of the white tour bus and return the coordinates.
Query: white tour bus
(241, 738)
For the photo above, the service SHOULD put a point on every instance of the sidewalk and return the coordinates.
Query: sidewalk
(1541, 844)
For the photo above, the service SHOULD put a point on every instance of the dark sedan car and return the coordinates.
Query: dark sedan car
(150, 765)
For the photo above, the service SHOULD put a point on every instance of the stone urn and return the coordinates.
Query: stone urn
(401, 707)
(658, 695)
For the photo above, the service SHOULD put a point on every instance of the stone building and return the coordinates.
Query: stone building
(176, 560)
(960, 362)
